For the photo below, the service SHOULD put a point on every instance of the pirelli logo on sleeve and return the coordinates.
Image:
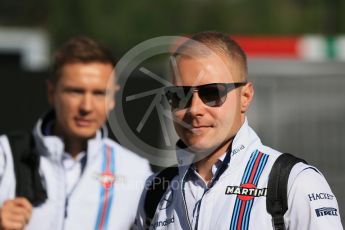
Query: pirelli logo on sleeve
(326, 211)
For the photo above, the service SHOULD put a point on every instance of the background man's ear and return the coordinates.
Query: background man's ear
(111, 104)
(112, 97)
(247, 94)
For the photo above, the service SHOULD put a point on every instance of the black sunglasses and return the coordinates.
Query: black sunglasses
(213, 95)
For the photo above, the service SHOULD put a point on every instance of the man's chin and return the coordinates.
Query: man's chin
(201, 148)
(84, 135)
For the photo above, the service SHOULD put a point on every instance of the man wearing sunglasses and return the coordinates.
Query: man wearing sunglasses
(223, 168)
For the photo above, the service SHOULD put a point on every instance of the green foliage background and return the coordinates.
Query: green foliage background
(123, 24)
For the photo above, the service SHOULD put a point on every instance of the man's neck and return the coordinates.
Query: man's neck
(73, 145)
(204, 166)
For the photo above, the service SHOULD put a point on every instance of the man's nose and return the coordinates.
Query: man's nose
(86, 103)
(196, 105)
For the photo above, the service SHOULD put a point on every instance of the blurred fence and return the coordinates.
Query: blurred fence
(299, 107)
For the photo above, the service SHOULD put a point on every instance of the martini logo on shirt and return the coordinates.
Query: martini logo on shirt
(246, 191)
(106, 179)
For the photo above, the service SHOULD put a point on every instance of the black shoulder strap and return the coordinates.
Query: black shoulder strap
(156, 190)
(26, 166)
(276, 202)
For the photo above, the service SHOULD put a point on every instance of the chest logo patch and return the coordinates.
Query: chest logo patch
(246, 191)
(106, 179)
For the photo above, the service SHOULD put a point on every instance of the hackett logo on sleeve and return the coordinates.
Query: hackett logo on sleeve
(320, 196)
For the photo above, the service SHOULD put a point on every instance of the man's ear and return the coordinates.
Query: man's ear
(112, 97)
(50, 92)
(111, 104)
(247, 94)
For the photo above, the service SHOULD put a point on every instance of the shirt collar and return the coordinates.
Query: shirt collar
(49, 144)
(215, 167)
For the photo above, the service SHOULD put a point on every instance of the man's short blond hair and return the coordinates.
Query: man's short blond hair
(214, 42)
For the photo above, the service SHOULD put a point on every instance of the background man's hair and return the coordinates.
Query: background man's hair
(217, 42)
(79, 50)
